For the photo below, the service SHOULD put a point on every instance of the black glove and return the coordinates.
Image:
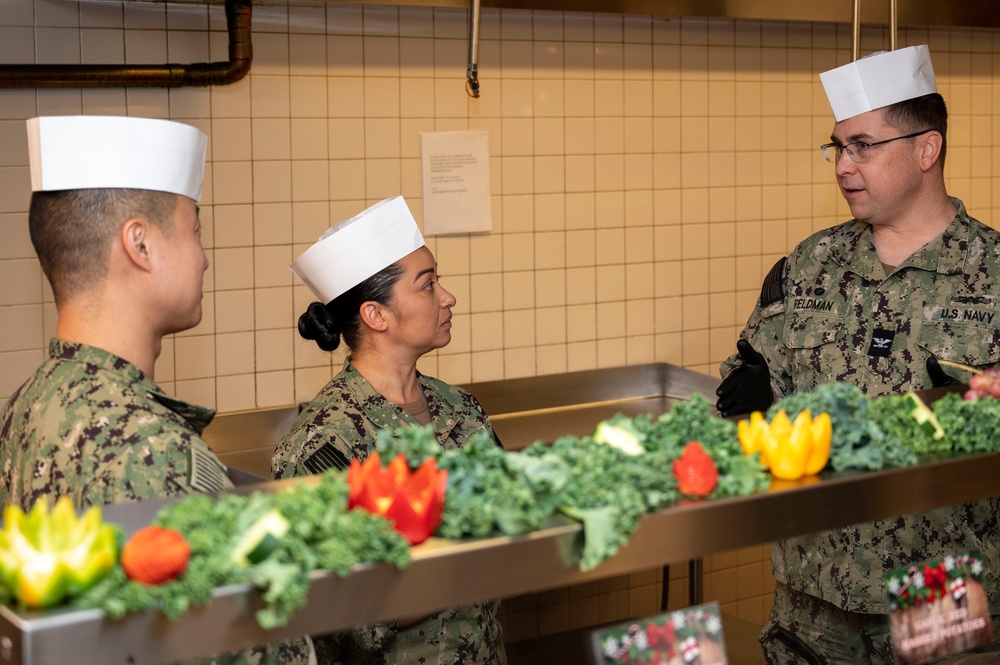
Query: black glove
(748, 387)
(938, 378)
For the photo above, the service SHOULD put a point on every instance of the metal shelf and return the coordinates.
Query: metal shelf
(445, 573)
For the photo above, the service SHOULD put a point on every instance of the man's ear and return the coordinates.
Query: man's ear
(930, 149)
(373, 315)
(137, 242)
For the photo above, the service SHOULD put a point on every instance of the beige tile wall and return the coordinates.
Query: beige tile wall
(646, 172)
(740, 581)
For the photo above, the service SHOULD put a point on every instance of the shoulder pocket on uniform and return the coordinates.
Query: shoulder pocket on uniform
(208, 474)
(326, 457)
(773, 288)
(772, 293)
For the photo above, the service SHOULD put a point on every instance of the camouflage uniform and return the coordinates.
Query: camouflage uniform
(341, 424)
(831, 314)
(93, 426)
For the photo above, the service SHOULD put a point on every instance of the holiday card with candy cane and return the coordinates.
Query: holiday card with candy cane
(691, 636)
(938, 608)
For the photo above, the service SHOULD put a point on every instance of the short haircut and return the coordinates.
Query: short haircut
(918, 114)
(73, 231)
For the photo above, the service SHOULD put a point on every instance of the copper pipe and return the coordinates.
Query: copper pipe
(855, 30)
(893, 26)
(146, 76)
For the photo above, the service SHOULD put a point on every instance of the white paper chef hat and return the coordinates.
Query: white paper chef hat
(115, 152)
(879, 80)
(357, 248)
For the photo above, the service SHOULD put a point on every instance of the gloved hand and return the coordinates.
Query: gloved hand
(748, 387)
(938, 378)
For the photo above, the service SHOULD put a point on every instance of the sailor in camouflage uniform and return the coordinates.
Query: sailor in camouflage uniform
(390, 308)
(342, 422)
(830, 312)
(874, 302)
(93, 426)
(114, 223)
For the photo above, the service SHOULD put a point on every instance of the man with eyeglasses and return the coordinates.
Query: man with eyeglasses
(874, 302)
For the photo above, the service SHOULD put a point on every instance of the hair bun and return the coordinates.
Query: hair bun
(317, 324)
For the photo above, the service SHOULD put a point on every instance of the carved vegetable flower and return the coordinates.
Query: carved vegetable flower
(411, 500)
(48, 556)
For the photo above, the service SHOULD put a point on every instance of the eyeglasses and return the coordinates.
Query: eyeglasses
(862, 150)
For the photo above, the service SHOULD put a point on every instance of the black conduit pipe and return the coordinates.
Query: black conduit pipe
(146, 76)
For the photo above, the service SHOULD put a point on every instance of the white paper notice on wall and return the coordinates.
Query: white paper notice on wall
(456, 174)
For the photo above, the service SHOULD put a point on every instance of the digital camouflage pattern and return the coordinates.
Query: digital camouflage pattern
(93, 426)
(459, 635)
(842, 319)
(348, 414)
(341, 424)
(800, 627)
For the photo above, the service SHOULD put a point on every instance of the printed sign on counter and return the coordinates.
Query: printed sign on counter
(938, 608)
(456, 175)
(692, 636)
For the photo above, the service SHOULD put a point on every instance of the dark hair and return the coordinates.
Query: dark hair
(342, 316)
(73, 230)
(919, 113)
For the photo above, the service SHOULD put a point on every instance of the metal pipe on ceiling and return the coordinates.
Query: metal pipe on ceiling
(856, 28)
(893, 28)
(238, 13)
(472, 73)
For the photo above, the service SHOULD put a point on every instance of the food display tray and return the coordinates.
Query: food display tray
(445, 573)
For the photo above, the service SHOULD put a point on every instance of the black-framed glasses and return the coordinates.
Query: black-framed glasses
(862, 150)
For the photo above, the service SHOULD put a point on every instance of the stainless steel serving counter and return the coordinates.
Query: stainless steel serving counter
(543, 408)
(523, 411)
(445, 573)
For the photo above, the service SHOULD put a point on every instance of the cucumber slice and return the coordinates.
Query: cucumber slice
(264, 548)
(263, 537)
(925, 418)
(616, 436)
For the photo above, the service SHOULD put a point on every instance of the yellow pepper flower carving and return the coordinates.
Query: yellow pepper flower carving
(790, 450)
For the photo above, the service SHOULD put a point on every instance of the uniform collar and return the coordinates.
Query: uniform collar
(198, 417)
(386, 415)
(947, 254)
